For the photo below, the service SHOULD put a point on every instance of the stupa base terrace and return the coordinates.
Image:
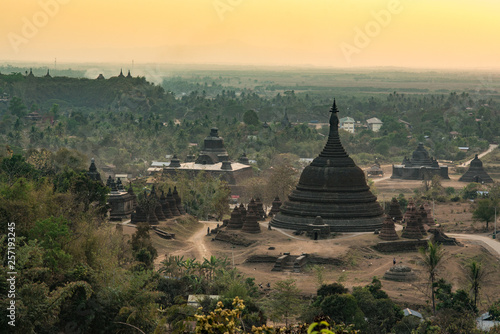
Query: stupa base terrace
(301, 223)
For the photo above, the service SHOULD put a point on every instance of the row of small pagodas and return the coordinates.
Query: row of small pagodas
(246, 219)
(414, 218)
(158, 208)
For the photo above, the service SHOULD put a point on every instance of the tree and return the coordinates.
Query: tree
(14, 167)
(485, 211)
(250, 117)
(284, 302)
(87, 191)
(143, 248)
(470, 191)
(475, 274)
(17, 107)
(54, 111)
(494, 310)
(331, 289)
(53, 234)
(380, 312)
(458, 301)
(432, 256)
(325, 327)
(282, 180)
(342, 308)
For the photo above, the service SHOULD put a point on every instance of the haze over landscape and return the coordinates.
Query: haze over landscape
(417, 34)
(326, 163)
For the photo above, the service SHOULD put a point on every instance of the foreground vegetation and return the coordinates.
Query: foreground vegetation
(80, 274)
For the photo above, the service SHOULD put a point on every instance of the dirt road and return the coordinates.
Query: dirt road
(195, 245)
(490, 148)
(491, 244)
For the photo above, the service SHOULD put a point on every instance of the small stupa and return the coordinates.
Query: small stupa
(251, 225)
(130, 191)
(430, 217)
(395, 210)
(243, 213)
(178, 201)
(252, 206)
(139, 216)
(275, 207)
(151, 215)
(235, 222)
(476, 173)
(261, 214)
(172, 204)
(165, 206)
(410, 208)
(388, 230)
(413, 229)
(158, 209)
(108, 181)
(422, 214)
(119, 184)
(400, 273)
(93, 174)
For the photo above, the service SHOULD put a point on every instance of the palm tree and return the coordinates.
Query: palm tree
(475, 274)
(432, 256)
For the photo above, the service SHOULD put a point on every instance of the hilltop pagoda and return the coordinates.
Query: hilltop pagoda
(214, 161)
(476, 173)
(332, 187)
(213, 149)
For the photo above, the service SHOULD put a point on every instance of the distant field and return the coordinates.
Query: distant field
(360, 80)
(269, 80)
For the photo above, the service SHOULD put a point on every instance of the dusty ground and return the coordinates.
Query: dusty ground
(362, 263)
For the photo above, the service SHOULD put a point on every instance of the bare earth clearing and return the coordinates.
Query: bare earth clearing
(360, 262)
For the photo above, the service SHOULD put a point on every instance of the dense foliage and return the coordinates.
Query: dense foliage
(128, 122)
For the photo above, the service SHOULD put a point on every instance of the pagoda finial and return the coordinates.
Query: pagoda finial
(334, 120)
(333, 153)
(334, 107)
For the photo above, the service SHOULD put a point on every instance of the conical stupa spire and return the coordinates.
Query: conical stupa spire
(333, 153)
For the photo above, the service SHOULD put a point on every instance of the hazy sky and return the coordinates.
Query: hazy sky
(336, 33)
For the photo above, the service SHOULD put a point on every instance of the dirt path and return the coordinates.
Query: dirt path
(381, 179)
(195, 245)
(491, 244)
(490, 148)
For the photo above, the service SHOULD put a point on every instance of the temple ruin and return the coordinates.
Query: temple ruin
(419, 167)
(213, 160)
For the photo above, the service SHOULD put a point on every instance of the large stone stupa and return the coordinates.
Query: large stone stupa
(335, 189)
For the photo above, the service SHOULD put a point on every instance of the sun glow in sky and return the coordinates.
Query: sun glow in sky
(332, 33)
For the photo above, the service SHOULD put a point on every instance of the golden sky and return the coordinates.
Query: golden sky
(333, 33)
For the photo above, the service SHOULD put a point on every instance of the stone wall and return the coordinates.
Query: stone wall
(400, 246)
